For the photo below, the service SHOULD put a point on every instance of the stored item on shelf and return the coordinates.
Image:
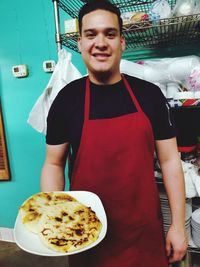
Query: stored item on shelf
(185, 99)
(197, 8)
(132, 68)
(195, 227)
(160, 9)
(71, 25)
(126, 17)
(133, 17)
(197, 94)
(172, 89)
(193, 80)
(198, 150)
(168, 70)
(184, 95)
(183, 8)
(189, 156)
(137, 20)
(179, 68)
(139, 17)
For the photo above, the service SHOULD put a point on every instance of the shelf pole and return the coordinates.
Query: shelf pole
(57, 25)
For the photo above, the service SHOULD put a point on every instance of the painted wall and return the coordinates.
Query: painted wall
(27, 37)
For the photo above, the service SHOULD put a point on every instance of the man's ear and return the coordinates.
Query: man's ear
(79, 43)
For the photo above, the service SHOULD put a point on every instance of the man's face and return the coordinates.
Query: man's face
(100, 43)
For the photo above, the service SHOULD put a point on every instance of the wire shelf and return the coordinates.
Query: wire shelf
(143, 35)
(168, 32)
(73, 7)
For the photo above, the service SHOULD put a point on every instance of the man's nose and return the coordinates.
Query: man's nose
(101, 41)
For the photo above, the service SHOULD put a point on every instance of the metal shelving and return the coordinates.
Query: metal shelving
(144, 35)
(72, 7)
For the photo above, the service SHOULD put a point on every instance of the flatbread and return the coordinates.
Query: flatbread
(32, 209)
(62, 223)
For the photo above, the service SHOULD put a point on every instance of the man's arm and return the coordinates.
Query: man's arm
(173, 178)
(52, 175)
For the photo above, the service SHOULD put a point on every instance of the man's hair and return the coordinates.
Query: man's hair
(93, 5)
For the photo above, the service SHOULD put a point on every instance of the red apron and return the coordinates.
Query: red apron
(115, 161)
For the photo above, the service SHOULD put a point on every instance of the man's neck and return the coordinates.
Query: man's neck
(105, 78)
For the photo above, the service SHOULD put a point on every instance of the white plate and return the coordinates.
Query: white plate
(31, 243)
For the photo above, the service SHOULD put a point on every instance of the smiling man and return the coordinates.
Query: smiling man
(112, 123)
(101, 46)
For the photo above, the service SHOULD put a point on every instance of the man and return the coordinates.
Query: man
(112, 124)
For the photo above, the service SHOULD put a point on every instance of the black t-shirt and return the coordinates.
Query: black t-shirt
(66, 115)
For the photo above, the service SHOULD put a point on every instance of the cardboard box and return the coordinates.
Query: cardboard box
(71, 25)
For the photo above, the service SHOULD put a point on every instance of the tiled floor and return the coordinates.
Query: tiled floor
(12, 256)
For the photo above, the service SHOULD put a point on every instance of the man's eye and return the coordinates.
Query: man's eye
(111, 35)
(90, 35)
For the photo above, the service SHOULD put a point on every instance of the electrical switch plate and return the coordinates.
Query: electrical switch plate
(49, 65)
(20, 71)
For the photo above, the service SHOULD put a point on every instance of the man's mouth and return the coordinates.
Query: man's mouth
(100, 56)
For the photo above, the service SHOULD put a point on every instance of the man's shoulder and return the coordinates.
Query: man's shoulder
(77, 84)
(72, 92)
(139, 82)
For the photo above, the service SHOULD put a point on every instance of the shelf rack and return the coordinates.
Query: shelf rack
(145, 35)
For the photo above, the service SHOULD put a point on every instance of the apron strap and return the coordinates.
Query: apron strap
(128, 87)
(87, 100)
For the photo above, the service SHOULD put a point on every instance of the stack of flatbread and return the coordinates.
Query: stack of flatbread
(62, 222)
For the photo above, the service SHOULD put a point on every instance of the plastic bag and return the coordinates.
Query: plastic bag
(197, 7)
(160, 9)
(131, 68)
(64, 73)
(193, 80)
(170, 69)
(184, 8)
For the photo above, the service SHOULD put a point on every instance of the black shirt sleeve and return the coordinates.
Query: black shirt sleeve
(56, 121)
(155, 106)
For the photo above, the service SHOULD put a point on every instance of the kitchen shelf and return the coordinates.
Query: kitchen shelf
(72, 7)
(144, 35)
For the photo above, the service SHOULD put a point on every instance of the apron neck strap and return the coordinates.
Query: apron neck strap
(87, 99)
(128, 87)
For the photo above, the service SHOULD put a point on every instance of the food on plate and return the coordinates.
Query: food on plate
(33, 208)
(62, 223)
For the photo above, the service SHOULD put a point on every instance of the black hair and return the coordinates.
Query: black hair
(99, 4)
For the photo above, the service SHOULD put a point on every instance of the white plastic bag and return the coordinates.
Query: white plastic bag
(170, 69)
(64, 73)
(197, 7)
(184, 8)
(132, 68)
(160, 9)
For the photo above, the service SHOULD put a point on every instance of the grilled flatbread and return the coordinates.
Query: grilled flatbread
(32, 209)
(62, 223)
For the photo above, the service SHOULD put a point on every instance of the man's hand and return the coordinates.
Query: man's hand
(176, 243)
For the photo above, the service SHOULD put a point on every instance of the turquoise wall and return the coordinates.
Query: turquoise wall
(27, 37)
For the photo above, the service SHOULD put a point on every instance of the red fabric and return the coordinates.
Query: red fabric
(115, 161)
(186, 148)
